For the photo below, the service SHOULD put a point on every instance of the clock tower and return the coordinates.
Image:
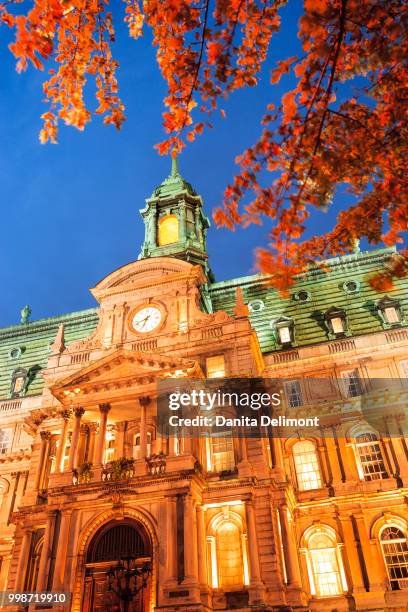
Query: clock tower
(175, 224)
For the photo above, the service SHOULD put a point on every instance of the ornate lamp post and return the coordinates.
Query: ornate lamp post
(127, 580)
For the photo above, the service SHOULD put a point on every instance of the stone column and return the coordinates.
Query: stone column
(73, 451)
(171, 544)
(100, 442)
(254, 567)
(82, 444)
(290, 549)
(144, 403)
(62, 549)
(376, 573)
(45, 441)
(202, 547)
(22, 560)
(333, 460)
(190, 540)
(356, 576)
(59, 461)
(46, 552)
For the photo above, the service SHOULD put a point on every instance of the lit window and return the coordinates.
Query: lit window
(168, 230)
(284, 330)
(336, 322)
(306, 466)
(230, 558)
(294, 393)
(215, 366)
(284, 335)
(395, 550)
(389, 311)
(5, 440)
(370, 456)
(110, 449)
(223, 457)
(324, 562)
(391, 314)
(18, 380)
(352, 383)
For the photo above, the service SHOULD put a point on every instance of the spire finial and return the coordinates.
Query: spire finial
(174, 164)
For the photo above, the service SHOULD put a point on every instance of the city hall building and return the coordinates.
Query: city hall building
(99, 504)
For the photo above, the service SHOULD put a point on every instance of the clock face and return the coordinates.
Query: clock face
(146, 319)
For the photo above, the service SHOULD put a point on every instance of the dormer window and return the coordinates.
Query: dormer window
(389, 311)
(18, 381)
(284, 331)
(336, 322)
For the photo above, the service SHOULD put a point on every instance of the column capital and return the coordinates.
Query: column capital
(144, 401)
(65, 414)
(93, 427)
(45, 435)
(84, 428)
(79, 412)
(104, 408)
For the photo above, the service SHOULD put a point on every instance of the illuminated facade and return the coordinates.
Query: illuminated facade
(284, 524)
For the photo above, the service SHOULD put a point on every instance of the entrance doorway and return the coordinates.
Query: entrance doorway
(109, 546)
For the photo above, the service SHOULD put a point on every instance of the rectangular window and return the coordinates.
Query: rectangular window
(5, 440)
(284, 335)
(391, 314)
(337, 325)
(352, 383)
(293, 393)
(215, 366)
(223, 453)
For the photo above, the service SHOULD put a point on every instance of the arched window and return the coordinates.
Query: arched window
(395, 550)
(370, 457)
(168, 230)
(228, 552)
(306, 465)
(325, 565)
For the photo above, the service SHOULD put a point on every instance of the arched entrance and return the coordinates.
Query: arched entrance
(126, 543)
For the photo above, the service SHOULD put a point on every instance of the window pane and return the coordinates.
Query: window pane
(284, 335)
(5, 440)
(370, 456)
(391, 314)
(223, 453)
(306, 466)
(395, 550)
(326, 572)
(337, 325)
(294, 393)
(230, 558)
(215, 366)
(352, 383)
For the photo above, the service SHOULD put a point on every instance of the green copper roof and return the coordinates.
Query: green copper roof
(325, 289)
(32, 341)
(173, 184)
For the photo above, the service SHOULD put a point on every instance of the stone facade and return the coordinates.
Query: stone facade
(228, 524)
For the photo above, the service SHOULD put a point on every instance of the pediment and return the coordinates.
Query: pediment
(144, 273)
(118, 373)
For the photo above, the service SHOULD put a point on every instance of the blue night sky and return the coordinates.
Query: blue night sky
(70, 212)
